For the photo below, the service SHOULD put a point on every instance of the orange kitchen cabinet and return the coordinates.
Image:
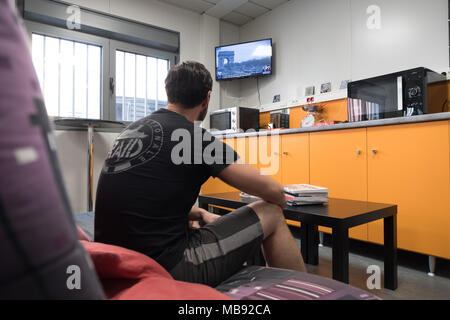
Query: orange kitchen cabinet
(294, 162)
(247, 148)
(338, 161)
(295, 158)
(215, 185)
(269, 156)
(409, 165)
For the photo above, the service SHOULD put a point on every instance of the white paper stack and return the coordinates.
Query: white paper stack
(305, 194)
(249, 196)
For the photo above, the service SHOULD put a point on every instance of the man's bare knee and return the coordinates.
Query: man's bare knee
(269, 214)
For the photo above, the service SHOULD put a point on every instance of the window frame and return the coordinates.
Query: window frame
(108, 59)
(46, 30)
(134, 49)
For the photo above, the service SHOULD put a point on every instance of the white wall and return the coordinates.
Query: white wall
(72, 149)
(156, 13)
(210, 38)
(317, 41)
(230, 91)
(413, 33)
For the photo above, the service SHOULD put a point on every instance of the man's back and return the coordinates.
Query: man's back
(144, 193)
(153, 176)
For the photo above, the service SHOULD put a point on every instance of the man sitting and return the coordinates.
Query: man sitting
(152, 178)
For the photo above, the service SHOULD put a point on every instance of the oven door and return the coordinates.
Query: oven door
(223, 121)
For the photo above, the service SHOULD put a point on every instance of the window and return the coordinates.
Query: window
(69, 73)
(77, 71)
(140, 87)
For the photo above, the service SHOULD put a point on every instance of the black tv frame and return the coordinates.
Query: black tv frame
(245, 77)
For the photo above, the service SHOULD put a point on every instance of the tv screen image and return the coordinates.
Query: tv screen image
(249, 59)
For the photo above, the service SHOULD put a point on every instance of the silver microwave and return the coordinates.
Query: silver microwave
(232, 120)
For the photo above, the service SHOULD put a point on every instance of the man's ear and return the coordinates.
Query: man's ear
(207, 99)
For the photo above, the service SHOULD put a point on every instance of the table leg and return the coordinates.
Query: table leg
(90, 166)
(203, 205)
(340, 254)
(309, 241)
(390, 253)
(304, 245)
(313, 245)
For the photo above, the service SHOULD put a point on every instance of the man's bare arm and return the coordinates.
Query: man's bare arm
(249, 180)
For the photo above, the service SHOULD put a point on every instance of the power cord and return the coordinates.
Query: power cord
(259, 94)
(445, 104)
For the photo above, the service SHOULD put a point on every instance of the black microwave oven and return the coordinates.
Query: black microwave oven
(232, 120)
(401, 94)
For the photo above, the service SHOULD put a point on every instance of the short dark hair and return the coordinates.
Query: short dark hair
(188, 84)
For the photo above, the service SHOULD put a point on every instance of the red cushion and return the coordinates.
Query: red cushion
(82, 235)
(129, 275)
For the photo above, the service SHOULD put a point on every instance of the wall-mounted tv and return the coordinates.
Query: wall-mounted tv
(244, 60)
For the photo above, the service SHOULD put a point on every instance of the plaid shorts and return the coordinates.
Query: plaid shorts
(218, 250)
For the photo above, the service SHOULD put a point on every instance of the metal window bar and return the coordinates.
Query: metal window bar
(124, 118)
(59, 77)
(135, 86)
(44, 48)
(157, 85)
(146, 86)
(87, 81)
(73, 79)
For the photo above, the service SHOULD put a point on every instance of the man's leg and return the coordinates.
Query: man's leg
(219, 249)
(280, 248)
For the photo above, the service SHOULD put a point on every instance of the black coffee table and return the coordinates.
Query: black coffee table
(338, 214)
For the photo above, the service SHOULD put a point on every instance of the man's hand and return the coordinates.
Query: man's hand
(207, 217)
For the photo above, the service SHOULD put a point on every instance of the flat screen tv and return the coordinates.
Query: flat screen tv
(244, 60)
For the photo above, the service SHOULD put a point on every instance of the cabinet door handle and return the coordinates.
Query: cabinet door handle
(358, 152)
(285, 153)
(275, 153)
(374, 151)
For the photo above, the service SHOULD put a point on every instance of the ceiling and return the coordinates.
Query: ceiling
(238, 12)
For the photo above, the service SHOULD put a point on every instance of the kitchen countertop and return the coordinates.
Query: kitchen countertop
(349, 125)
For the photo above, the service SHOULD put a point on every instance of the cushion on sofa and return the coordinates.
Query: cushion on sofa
(38, 239)
(262, 283)
(127, 274)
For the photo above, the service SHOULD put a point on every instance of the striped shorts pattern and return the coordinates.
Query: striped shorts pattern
(220, 249)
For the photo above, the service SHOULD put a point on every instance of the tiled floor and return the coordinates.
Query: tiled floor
(413, 281)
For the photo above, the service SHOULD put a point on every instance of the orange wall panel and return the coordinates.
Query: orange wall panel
(335, 110)
(436, 92)
(215, 185)
(264, 119)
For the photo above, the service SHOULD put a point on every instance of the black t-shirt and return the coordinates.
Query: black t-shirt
(150, 181)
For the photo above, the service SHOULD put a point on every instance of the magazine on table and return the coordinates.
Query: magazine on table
(304, 189)
(300, 194)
